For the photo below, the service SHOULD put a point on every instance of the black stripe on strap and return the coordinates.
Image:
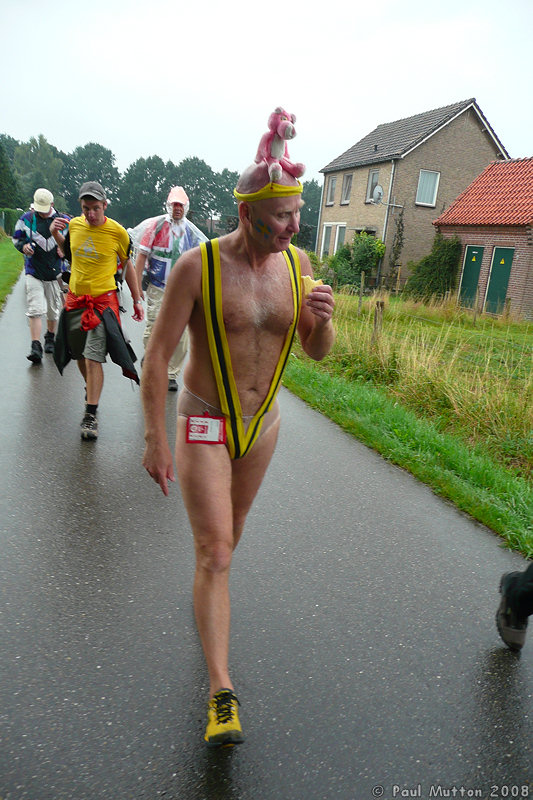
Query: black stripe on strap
(273, 389)
(219, 348)
(297, 306)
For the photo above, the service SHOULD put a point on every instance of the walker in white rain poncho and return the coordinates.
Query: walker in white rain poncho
(163, 239)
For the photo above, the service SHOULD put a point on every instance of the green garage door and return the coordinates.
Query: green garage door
(470, 278)
(502, 261)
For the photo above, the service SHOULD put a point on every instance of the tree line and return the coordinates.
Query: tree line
(137, 193)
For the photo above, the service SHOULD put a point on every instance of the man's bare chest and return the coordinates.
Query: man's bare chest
(252, 304)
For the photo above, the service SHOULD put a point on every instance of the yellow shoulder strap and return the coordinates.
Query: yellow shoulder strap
(239, 441)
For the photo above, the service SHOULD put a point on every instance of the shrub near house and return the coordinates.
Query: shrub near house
(362, 255)
(436, 273)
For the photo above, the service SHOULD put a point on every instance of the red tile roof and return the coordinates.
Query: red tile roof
(501, 195)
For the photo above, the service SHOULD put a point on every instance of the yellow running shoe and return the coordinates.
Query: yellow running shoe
(223, 726)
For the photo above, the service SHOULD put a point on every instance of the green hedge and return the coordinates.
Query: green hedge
(10, 216)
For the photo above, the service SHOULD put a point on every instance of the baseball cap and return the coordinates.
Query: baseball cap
(92, 189)
(42, 200)
(178, 195)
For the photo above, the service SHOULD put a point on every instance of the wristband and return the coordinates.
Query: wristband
(137, 302)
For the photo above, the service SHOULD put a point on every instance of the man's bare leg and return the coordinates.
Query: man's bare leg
(36, 326)
(217, 511)
(82, 368)
(247, 477)
(95, 380)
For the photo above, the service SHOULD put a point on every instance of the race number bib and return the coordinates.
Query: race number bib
(209, 430)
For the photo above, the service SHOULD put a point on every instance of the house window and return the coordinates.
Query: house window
(326, 240)
(330, 199)
(346, 189)
(373, 180)
(340, 237)
(428, 184)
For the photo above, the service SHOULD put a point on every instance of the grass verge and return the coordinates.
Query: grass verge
(11, 263)
(491, 494)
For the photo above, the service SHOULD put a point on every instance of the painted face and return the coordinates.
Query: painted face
(275, 221)
(93, 211)
(177, 210)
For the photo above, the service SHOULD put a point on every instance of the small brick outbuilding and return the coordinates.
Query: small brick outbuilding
(493, 218)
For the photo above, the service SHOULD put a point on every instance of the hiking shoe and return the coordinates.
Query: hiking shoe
(89, 426)
(223, 726)
(511, 626)
(172, 385)
(36, 352)
(49, 338)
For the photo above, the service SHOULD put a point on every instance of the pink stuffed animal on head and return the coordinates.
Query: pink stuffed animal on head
(273, 146)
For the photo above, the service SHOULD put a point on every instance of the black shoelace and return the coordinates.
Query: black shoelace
(224, 707)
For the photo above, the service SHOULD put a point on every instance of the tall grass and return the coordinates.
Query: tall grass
(471, 378)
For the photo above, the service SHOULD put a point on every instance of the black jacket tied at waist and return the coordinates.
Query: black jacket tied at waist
(120, 351)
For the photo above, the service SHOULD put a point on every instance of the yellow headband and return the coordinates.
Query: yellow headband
(270, 190)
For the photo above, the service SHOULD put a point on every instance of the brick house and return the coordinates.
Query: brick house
(419, 164)
(493, 217)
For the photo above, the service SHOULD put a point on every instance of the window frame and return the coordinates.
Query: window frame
(330, 194)
(328, 226)
(436, 188)
(332, 240)
(369, 187)
(347, 181)
(340, 225)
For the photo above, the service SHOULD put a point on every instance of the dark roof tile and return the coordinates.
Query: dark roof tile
(394, 139)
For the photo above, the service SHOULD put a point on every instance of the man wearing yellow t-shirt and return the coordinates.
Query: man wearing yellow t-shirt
(94, 245)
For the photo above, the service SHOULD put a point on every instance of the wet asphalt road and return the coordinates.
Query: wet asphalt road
(364, 650)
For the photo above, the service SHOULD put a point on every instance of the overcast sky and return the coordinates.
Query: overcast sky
(185, 78)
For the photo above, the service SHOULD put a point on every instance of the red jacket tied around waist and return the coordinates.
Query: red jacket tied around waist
(89, 318)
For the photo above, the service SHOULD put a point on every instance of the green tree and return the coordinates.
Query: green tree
(225, 202)
(306, 238)
(10, 145)
(36, 164)
(90, 162)
(198, 180)
(10, 194)
(436, 273)
(143, 191)
(311, 195)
